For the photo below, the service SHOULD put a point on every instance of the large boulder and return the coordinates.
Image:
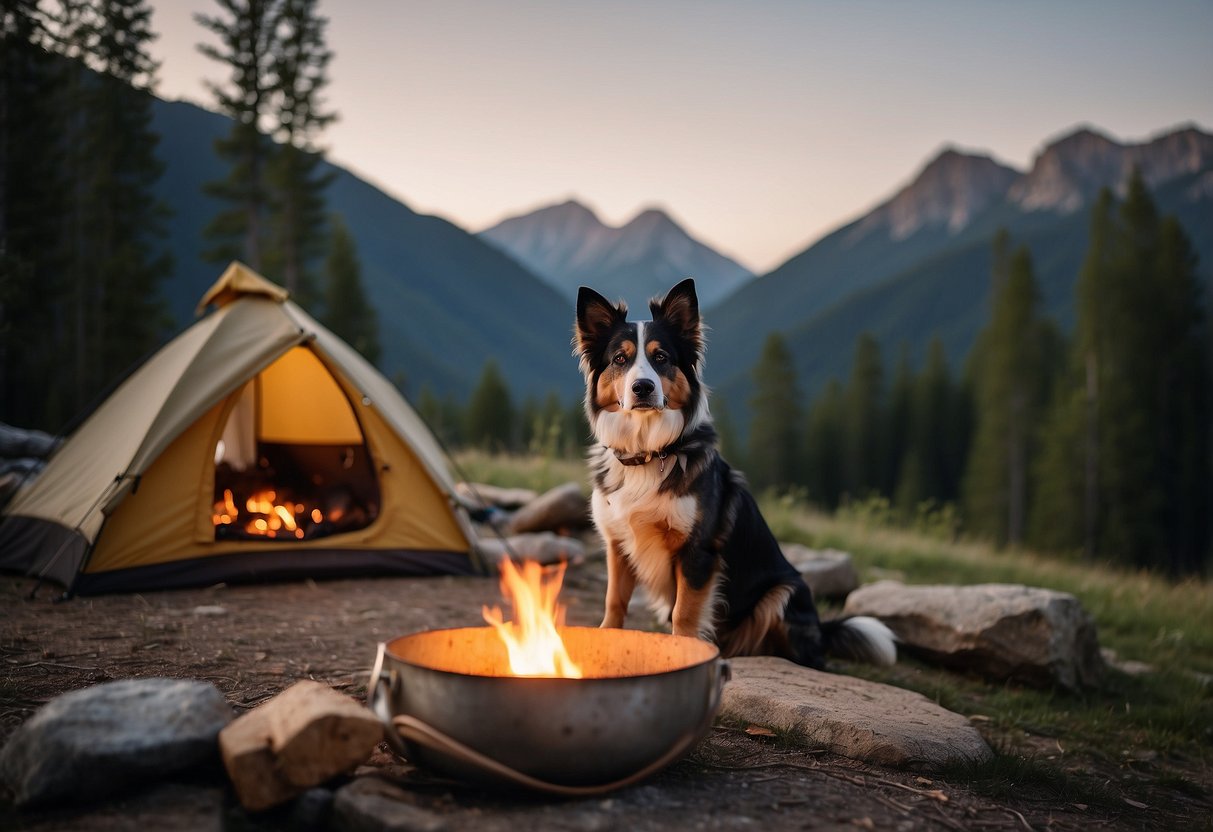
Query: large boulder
(95, 742)
(828, 572)
(853, 717)
(483, 495)
(1005, 631)
(564, 507)
(543, 547)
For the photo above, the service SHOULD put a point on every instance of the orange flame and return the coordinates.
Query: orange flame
(533, 638)
(265, 514)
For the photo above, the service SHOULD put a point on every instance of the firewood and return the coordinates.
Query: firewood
(296, 740)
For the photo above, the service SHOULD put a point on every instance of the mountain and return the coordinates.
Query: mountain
(918, 264)
(1068, 173)
(569, 246)
(447, 302)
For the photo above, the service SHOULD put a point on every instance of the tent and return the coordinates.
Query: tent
(255, 445)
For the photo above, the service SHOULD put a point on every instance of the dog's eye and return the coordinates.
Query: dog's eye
(660, 357)
(620, 358)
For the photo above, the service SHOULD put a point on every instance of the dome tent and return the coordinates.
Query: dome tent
(134, 499)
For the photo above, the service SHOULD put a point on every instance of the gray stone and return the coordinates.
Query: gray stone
(1036, 636)
(94, 742)
(481, 495)
(564, 507)
(828, 572)
(369, 804)
(544, 547)
(853, 717)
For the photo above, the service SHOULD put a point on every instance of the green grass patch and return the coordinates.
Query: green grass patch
(538, 473)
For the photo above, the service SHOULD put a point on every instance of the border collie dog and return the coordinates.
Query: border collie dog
(676, 519)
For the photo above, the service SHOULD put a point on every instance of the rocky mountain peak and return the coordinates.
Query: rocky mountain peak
(949, 191)
(1070, 170)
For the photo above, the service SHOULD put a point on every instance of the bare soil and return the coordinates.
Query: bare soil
(252, 642)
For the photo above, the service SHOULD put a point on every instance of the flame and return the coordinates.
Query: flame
(532, 638)
(265, 514)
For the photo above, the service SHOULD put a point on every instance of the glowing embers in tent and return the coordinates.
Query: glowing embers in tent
(264, 515)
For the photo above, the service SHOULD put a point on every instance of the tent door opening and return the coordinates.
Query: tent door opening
(292, 462)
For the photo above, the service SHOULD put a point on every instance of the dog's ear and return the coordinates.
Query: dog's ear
(595, 317)
(679, 309)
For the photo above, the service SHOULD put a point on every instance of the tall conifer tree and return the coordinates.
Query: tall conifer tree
(775, 410)
(864, 420)
(824, 447)
(298, 67)
(347, 311)
(1012, 371)
(246, 31)
(490, 413)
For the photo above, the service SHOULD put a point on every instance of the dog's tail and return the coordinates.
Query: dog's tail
(860, 638)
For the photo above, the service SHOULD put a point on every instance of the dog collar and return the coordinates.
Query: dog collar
(645, 457)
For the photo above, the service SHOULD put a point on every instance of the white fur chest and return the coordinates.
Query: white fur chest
(648, 527)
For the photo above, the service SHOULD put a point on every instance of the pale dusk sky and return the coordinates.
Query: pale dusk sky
(759, 125)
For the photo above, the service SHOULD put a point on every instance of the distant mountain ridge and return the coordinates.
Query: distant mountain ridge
(918, 264)
(446, 301)
(568, 246)
(1069, 172)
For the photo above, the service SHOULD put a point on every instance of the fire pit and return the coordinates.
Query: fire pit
(642, 702)
(601, 709)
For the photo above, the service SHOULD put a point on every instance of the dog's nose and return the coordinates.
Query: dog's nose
(643, 387)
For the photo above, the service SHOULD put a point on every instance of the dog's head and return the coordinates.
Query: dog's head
(643, 388)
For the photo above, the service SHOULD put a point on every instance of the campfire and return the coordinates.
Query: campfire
(533, 637)
(280, 501)
(536, 703)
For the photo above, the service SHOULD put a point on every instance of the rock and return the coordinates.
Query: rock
(210, 609)
(544, 547)
(853, 717)
(369, 804)
(300, 738)
(564, 507)
(312, 810)
(828, 572)
(1036, 636)
(91, 743)
(481, 495)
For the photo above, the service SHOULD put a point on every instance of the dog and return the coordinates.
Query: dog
(675, 517)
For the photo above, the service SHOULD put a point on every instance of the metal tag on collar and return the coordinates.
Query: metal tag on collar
(661, 455)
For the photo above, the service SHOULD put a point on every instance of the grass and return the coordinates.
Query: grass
(538, 473)
(1148, 734)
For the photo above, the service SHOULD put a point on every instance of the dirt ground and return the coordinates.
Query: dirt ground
(252, 642)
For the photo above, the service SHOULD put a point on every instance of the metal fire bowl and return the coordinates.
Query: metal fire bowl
(644, 700)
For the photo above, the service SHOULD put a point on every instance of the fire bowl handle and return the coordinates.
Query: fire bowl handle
(378, 688)
(413, 729)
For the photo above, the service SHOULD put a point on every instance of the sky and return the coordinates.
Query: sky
(759, 125)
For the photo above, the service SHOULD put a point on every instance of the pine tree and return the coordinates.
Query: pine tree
(726, 432)
(864, 421)
(775, 409)
(897, 429)
(298, 68)
(490, 414)
(824, 436)
(347, 311)
(1182, 386)
(929, 470)
(34, 196)
(246, 30)
(122, 260)
(575, 430)
(1013, 379)
(1066, 500)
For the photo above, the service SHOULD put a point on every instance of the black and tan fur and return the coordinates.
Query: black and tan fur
(676, 519)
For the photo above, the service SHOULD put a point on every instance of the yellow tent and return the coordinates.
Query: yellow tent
(255, 445)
